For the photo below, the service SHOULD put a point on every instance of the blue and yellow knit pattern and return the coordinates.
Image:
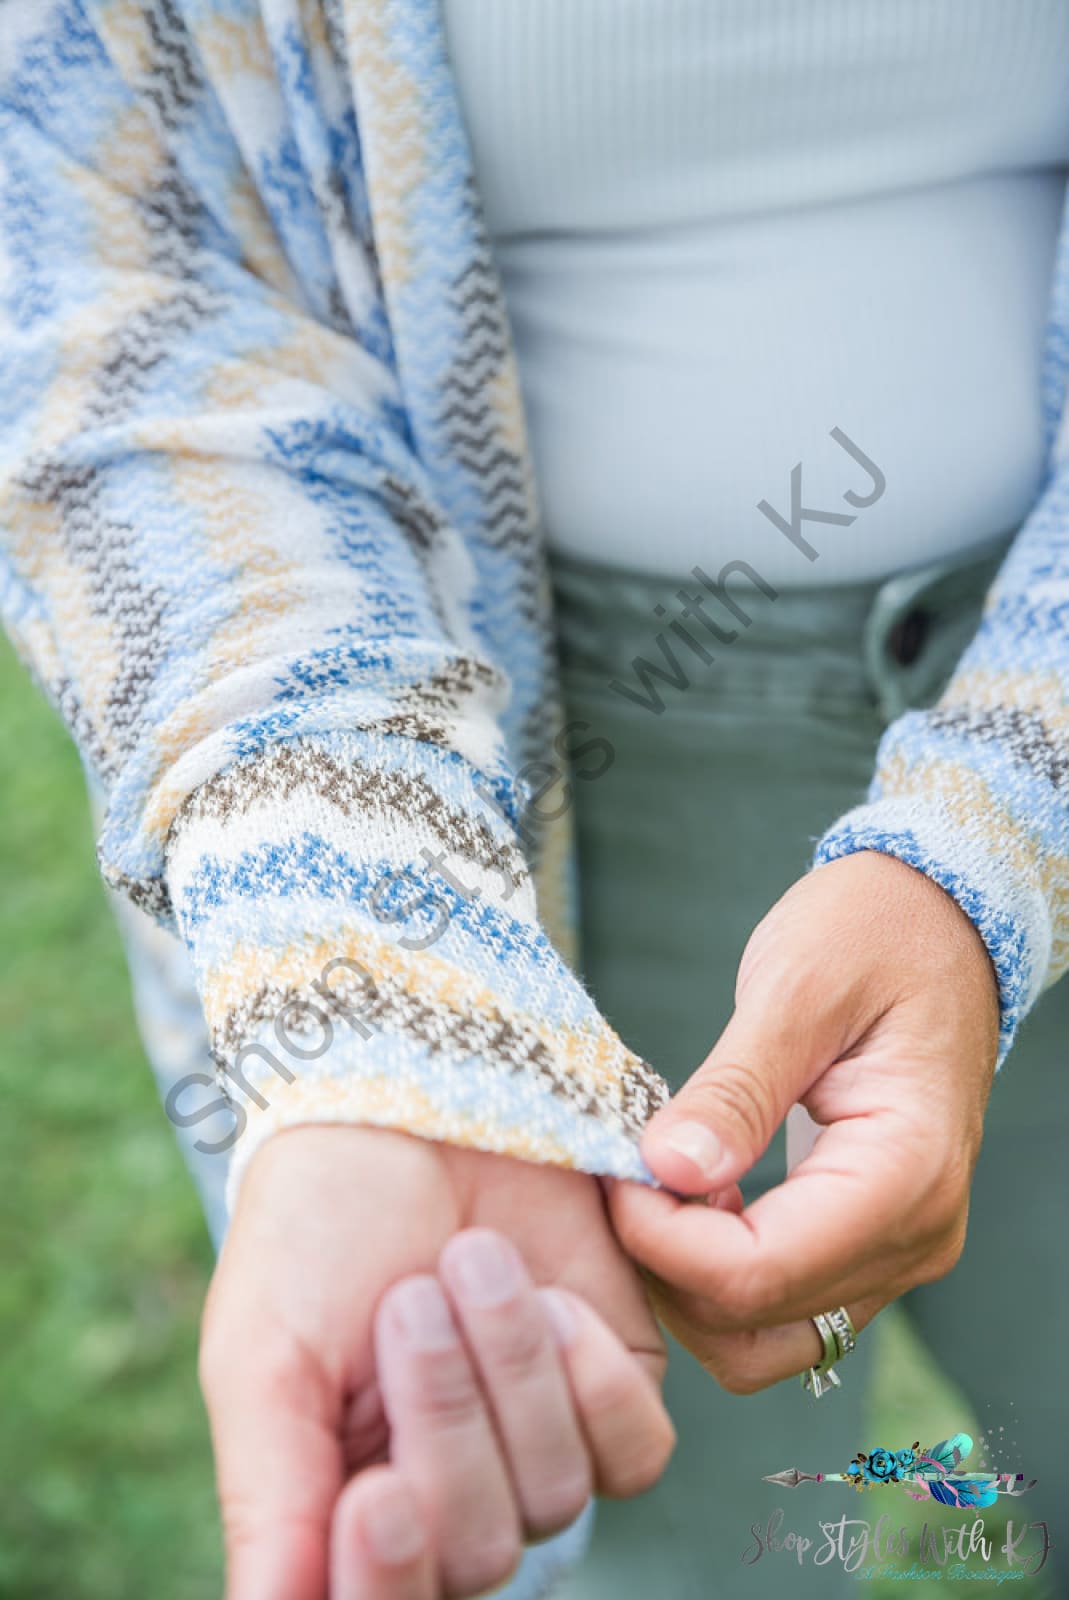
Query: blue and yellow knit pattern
(270, 544)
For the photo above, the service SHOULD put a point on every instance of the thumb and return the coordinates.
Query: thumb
(772, 1051)
(279, 1470)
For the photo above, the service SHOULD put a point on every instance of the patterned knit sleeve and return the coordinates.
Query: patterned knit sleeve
(975, 791)
(222, 558)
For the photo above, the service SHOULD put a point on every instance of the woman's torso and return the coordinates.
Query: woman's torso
(726, 227)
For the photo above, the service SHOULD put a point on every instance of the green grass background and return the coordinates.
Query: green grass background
(105, 1470)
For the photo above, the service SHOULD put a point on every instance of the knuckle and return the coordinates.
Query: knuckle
(634, 1471)
(275, 1366)
(443, 1388)
(735, 1377)
(475, 1567)
(943, 1228)
(654, 1364)
(945, 1257)
(515, 1345)
(732, 1362)
(608, 1393)
(240, 1525)
(555, 1505)
(245, 1522)
(943, 1216)
(734, 1095)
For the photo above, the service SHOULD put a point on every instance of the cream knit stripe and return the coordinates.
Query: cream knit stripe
(346, 977)
(264, 480)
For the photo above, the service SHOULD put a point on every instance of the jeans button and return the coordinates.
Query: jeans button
(906, 639)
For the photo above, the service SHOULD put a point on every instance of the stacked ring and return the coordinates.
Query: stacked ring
(839, 1337)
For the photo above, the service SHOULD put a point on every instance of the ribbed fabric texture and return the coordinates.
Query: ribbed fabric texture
(619, 114)
(270, 545)
(724, 229)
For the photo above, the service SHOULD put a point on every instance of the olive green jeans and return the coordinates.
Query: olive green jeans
(706, 815)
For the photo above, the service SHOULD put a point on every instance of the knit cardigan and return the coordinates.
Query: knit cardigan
(271, 546)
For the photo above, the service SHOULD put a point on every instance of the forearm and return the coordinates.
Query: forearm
(364, 935)
(973, 791)
(227, 565)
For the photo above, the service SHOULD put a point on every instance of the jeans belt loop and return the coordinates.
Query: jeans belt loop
(971, 574)
(895, 604)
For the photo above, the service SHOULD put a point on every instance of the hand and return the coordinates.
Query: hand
(456, 1379)
(867, 995)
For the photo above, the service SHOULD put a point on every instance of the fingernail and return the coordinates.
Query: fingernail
(422, 1314)
(394, 1530)
(698, 1144)
(561, 1314)
(483, 1268)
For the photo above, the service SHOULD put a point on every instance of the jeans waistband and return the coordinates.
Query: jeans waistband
(888, 642)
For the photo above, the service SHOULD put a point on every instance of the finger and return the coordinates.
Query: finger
(724, 1117)
(813, 981)
(279, 1467)
(850, 1218)
(628, 1431)
(380, 1546)
(442, 1438)
(511, 1342)
(726, 1199)
(747, 1360)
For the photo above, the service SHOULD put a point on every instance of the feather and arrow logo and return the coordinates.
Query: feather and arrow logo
(932, 1473)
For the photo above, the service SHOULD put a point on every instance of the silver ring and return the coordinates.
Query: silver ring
(839, 1337)
(843, 1329)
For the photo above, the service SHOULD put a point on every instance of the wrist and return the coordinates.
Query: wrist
(928, 942)
(998, 906)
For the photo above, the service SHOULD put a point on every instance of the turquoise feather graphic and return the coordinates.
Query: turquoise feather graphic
(933, 1472)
